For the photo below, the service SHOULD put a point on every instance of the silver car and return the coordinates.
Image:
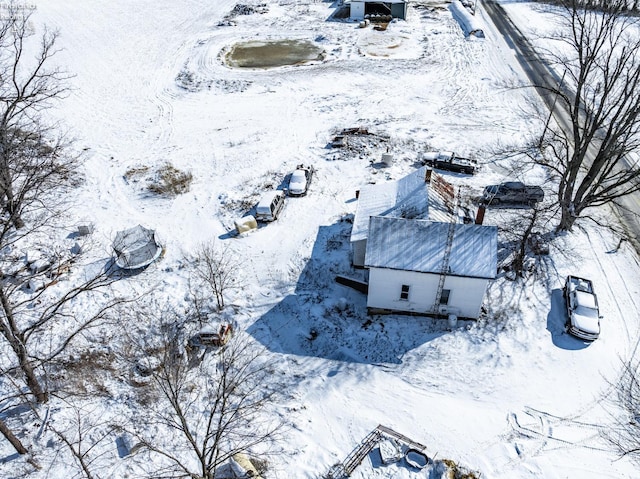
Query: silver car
(300, 180)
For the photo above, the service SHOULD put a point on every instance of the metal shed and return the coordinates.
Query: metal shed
(395, 8)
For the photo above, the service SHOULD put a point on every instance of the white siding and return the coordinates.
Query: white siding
(357, 10)
(385, 286)
(358, 250)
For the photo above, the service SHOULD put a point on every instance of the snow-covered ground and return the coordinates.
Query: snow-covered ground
(510, 396)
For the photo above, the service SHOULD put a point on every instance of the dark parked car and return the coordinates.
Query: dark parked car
(512, 193)
(448, 160)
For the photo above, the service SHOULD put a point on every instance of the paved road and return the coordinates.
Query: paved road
(540, 74)
(543, 77)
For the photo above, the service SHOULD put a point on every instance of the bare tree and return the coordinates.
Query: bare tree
(39, 321)
(213, 411)
(34, 303)
(523, 239)
(600, 91)
(45, 306)
(31, 154)
(17, 444)
(35, 172)
(625, 437)
(217, 271)
(85, 436)
(38, 314)
(12, 411)
(11, 437)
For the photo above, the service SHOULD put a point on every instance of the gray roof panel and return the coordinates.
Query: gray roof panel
(419, 245)
(412, 197)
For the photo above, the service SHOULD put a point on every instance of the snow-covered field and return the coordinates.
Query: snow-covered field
(510, 396)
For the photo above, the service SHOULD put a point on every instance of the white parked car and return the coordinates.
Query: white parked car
(582, 308)
(300, 180)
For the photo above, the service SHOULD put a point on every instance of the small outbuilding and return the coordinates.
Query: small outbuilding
(359, 9)
(136, 247)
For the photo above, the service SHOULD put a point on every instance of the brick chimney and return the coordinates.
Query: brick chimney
(480, 214)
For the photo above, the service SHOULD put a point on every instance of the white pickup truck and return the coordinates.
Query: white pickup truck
(582, 308)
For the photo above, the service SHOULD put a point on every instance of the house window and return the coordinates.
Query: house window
(444, 297)
(404, 293)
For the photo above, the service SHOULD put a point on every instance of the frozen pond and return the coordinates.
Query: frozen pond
(269, 54)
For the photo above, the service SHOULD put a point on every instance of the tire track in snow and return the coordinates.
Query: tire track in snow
(455, 57)
(112, 191)
(164, 103)
(527, 440)
(607, 273)
(545, 429)
(536, 434)
(469, 97)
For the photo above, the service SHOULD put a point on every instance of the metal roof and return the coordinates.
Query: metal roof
(419, 195)
(419, 245)
(376, 1)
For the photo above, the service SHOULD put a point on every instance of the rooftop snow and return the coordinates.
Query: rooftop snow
(419, 245)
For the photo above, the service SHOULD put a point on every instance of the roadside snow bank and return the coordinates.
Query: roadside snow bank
(470, 24)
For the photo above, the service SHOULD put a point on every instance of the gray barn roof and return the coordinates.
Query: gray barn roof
(419, 245)
(419, 195)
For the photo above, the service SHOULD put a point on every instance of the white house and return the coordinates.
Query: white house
(426, 267)
(422, 194)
